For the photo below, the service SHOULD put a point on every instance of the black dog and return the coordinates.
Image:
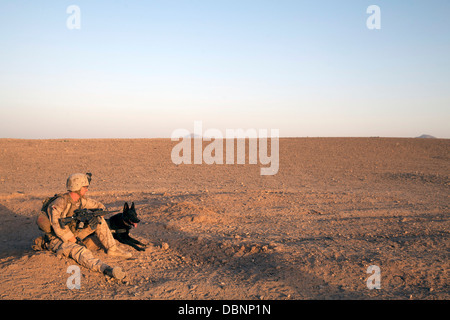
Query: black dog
(121, 224)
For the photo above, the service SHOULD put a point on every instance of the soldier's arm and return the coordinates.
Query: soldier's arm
(93, 204)
(55, 211)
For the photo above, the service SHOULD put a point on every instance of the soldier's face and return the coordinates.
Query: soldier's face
(83, 190)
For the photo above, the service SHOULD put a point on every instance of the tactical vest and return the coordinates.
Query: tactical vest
(43, 220)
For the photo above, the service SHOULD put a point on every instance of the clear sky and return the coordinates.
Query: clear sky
(145, 68)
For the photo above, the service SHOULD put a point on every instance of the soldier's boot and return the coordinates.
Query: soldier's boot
(39, 244)
(116, 272)
(115, 251)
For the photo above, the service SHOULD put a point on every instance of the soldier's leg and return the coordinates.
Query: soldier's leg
(83, 233)
(104, 234)
(107, 239)
(84, 257)
(77, 252)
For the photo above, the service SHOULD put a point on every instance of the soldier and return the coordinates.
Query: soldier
(67, 241)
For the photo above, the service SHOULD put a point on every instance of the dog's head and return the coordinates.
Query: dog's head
(129, 215)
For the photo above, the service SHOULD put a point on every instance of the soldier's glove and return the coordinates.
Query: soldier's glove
(80, 242)
(94, 222)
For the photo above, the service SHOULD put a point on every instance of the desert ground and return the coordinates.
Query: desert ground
(222, 231)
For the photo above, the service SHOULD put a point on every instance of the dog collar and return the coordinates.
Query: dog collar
(119, 231)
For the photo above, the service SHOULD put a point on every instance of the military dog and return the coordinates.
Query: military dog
(121, 224)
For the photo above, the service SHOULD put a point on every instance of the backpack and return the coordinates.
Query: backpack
(46, 202)
(43, 220)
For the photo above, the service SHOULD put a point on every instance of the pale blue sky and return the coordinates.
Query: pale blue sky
(146, 68)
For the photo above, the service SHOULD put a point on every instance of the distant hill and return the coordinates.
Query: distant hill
(426, 136)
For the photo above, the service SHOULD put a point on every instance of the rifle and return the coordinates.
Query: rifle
(85, 217)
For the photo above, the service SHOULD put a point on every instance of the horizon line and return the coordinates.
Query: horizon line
(225, 138)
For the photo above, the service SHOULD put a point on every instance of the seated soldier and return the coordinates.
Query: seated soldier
(68, 240)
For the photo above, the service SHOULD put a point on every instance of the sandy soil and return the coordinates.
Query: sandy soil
(336, 206)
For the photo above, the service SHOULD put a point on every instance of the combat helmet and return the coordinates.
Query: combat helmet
(78, 180)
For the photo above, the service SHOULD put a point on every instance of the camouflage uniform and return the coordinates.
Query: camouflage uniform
(59, 242)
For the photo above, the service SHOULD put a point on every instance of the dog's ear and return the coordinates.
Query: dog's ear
(132, 205)
(125, 207)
